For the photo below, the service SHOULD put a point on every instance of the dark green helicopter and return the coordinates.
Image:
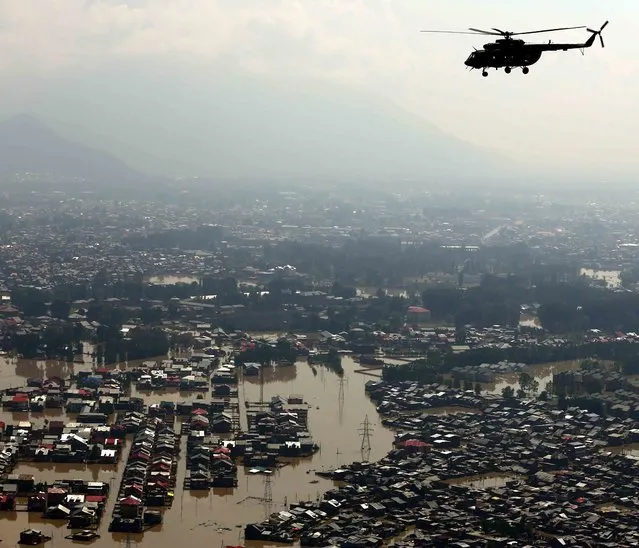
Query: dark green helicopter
(508, 52)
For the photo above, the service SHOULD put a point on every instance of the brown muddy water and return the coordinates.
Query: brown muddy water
(629, 450)
(543, 374)
(485, 481)
(216, 518)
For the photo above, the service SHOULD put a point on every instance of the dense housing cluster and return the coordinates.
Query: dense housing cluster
(441, 298)
(502, 469)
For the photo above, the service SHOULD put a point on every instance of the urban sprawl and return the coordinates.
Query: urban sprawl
(199, 344)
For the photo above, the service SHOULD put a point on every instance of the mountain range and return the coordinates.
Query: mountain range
(232, 126)
(27, 145)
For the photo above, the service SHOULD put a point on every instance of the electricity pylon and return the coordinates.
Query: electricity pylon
(365, 431)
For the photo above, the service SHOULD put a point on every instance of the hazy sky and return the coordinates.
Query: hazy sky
(570, 110)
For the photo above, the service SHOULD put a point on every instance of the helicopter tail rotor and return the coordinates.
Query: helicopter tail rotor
(596, 33)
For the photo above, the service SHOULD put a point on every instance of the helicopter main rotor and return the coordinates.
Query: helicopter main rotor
(498, 32)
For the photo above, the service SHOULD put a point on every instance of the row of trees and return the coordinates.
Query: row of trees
(380, 262)
(437, 363)
(565, 307)
(332, 360)
(64, 340)
(266, 353)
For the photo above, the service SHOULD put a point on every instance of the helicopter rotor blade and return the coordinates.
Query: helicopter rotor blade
(546, 30)
(449, 32)
(486, 32)
(598, 33)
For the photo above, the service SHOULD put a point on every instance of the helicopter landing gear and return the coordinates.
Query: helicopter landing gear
(507, 70)
(525, 70)
(484, 73)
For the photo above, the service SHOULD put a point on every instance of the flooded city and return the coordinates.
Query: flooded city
(287, 274)
(337, 411)
(342, 421)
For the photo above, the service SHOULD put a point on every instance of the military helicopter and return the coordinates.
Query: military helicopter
(508, 52)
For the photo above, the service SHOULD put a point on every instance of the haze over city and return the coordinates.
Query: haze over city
(288, 273)
(258, 89)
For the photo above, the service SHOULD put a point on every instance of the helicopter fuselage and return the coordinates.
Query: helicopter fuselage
(508, 53)
(509, 56)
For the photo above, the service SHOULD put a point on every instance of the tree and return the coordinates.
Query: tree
(508, 392)
(146, 343)
(173, 311)
(182, 340)
(593, 383)
(346, 292)
(562, 402)
(477, 388)
(60, 309)
(534, 386)
(549, 388)
(285, 351)
(31, 301)
(528, 384)
(95, 453)
(590, 365)
(151, 315)
(460, 334)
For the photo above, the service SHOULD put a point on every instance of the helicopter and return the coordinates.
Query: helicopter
(507, 52)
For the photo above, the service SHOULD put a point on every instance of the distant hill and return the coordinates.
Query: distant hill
(223, 124)
(28, 145)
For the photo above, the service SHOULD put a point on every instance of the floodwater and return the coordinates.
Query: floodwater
(630, 450)
(172, 279)
(215, 518)
(452, 410)
(485, 481)
(542, 373)
(528, 320)
(611, 277)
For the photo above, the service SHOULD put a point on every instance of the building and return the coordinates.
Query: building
(416, 315)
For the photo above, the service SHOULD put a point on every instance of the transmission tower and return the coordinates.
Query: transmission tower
(268, 496)
(365, 431)
(340, 397)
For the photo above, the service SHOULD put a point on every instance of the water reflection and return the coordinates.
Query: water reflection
(485, 481)
(631, 449)
(284, 373)
(50, 472)
(543, 374)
